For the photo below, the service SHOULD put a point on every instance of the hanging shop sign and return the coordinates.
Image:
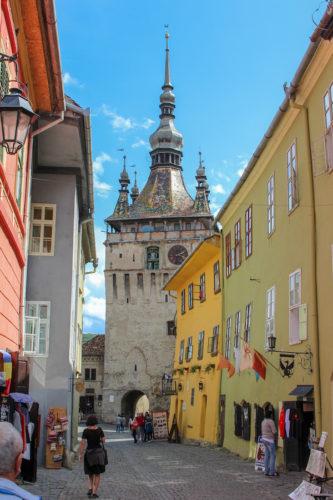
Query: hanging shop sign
(260, 456)
(79, 385)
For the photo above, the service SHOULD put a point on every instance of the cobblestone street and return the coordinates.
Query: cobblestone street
(164, 471)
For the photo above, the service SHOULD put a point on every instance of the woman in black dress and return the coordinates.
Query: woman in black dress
(92, 438)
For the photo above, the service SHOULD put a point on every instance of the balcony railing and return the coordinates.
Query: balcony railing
(169, 387)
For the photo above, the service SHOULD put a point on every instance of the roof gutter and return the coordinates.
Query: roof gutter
(85, 113)
(290, 95)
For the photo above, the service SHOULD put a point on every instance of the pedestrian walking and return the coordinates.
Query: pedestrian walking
(11, 448)
(95, 457)
(148, 427)
(122, 422)
(268, 436)
(133, 425)
(141, 426)
(118, 423)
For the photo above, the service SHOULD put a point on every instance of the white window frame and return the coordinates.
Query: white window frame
(37, 321)
(190, 296)
(295, 302)
(228, 338)
(238, 244)
(248, 232)
(328, 107)
(201, 344)
(215, 342)
(183, 301)
(292, 188)
(189, 349)
(271, 205)
(270, 314)
(181, 351)
(238, 323)
(42, 223)
(248, 319)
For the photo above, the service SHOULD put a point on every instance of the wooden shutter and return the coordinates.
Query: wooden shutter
(329, 148)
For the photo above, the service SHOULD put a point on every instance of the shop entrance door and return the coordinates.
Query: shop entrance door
(301, 419)
(87, 404)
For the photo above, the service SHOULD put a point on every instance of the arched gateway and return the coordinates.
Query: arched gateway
(145, 243)
(134, 402)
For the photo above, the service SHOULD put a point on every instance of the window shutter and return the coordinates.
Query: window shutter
(303, 322)
(329, 148)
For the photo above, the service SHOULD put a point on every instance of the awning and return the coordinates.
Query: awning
(301, 390)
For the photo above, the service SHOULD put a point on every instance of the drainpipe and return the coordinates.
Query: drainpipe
(316, 341)
(27, 209)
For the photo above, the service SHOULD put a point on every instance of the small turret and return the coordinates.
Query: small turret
(135, 190)
(201, 202)
(122, 203)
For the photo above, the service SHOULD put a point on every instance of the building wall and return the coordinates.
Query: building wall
(138, 350)
(194, 423)
(323, 188)
(12, 220)
(290, 247)
(50, 279)
(96, 362)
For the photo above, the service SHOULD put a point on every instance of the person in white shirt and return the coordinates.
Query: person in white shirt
(10, 464)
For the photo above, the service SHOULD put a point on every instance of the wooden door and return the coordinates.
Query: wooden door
(203, 416)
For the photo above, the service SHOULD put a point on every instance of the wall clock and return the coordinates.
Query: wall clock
(177, 254)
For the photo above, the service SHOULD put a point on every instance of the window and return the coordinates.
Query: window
(294, 307)
(237, 330)
(213, 342)
(292, 178)
(270, 205)
(202, 287)
(201, 340)
(127, 286)
(189, 349)
(183, 302)
(247, 329)
(217, 284)
(238, 248)
(228, 338)
(42, 237)
(270, 313)
(242, 420)
(140, 281)
(188, 226)
(181, 351)
(328, 107)
(37, 326)
(153, 258)
(176, 226)
(114, 286)
(165, 278)
(192, 396)
(90, 374)
(190, 296)
(19, 177)
(248, 232)
(171, 328)
(228, 253)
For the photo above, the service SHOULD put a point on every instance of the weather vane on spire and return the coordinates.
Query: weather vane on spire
(167, 36)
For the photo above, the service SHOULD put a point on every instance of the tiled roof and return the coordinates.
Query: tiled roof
(94, 347)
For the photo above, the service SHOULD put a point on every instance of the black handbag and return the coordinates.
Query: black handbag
(95, 456)
(106, 460)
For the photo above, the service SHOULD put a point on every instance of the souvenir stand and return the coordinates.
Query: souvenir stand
(57, 425)
(22, 412)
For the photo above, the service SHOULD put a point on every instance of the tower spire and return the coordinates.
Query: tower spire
(167, 82)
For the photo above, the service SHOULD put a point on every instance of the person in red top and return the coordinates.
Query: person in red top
(141, 426)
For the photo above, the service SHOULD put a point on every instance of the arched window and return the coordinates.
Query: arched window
(153, 257)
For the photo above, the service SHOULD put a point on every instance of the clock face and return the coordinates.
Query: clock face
(177, 254)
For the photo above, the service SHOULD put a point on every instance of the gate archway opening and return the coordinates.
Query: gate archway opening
(134, 402)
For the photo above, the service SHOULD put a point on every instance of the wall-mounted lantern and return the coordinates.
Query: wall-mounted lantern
(16, 116)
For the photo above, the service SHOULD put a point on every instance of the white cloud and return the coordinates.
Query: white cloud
(218, 189)
(88, 323)
(147, 123)
(240, 172)
(121, 123)
(95, 308)
(102, 188)
(139, 144)
(68, 79)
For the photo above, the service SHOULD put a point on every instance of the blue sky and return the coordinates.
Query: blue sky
(229, 61)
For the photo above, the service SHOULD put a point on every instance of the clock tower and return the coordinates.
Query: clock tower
(146, 241)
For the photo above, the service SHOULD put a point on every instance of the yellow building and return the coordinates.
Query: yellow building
(196, 381)
(277, 248)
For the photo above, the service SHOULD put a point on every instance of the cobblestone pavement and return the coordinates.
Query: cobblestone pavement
(163, 471)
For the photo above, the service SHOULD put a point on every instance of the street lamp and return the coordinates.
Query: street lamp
(16, 117)
(271, 341)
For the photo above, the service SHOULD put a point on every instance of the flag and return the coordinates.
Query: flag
(225, 363)
(246, 360)
(259, 364)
